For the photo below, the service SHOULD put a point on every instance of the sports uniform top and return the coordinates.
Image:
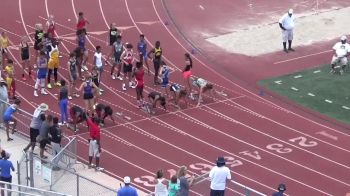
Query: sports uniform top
(157, 53)
(73, 66)
(53, 52)
(128, 56)
(341, 49)
(9, 111)
(175, 88)
(113, 33)
(98, 57)
(118, 50)
(4, 42)
(165, 73)
(142, 47)
(200, 82)
(88, 88)
(51, 29)
(139, 77)
(39, 35)
(81, 24)
(9, 69)
(24, 51)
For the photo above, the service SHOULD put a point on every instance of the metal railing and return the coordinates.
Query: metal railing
(8, 189)
(44, 174)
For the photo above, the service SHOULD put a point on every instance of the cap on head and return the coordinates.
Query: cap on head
(220, 161)
(281, 187)
(127, 180)
(343, 38)
(290, 11)
(43, 107)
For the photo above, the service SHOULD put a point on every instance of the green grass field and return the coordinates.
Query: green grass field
(313, 88)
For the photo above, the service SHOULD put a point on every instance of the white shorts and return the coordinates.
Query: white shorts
(93, 149)
(342, 60)
(287, 35)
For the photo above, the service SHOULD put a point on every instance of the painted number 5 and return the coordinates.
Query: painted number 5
(303, 142)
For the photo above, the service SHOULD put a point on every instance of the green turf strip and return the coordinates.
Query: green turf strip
(322, 84)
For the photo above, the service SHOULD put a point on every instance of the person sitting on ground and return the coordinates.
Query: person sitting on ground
(154, 98)
(43, 137)
(5, 168)
(341, 53)
(281, 188)
(103, 111)
(8, 117)
(78, 115)
(127, 190)
(203, 86)
(178, 94)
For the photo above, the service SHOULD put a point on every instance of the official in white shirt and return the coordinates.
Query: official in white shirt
(287, 25)
(340, 56)
(219, 175)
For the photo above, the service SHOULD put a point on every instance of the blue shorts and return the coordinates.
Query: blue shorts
(7, 118)
(41, 74)
(164, 83)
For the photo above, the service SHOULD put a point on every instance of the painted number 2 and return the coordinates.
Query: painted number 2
(302, 141)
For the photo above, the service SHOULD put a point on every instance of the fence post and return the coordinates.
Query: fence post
(77, 184)
(31, 172)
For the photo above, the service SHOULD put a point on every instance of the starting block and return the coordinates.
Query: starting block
(221, 93)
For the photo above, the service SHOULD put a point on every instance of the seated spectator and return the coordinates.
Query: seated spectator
(5, 168)
(281, 188)
(160, 189)
(127, 190)
(78, 115)
(104, 111)
(340, 56)
(203, 86)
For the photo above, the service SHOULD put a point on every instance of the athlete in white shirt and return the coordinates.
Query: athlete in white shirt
(287, 25)
(219, 175)
(341, 53)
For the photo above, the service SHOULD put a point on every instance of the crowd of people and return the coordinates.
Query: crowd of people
(127, 66)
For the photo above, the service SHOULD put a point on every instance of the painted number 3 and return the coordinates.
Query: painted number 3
(279, 148)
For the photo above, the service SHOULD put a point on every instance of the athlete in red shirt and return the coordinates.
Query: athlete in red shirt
(82, 22)
(138, 73)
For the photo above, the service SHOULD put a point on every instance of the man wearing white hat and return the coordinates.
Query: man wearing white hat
(286, 23)
(127, 190)
(219, 175)
(341, 53)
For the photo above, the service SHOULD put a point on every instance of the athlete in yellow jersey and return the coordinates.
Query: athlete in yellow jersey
(53, 65)
(11, 87)
(4, 44)
(157, 58)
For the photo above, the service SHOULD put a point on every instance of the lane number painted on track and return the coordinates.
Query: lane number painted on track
(302, 141)
(279, 148)
(254, 154)
(198, 168)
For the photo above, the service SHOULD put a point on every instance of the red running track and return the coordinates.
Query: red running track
(264, 140)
